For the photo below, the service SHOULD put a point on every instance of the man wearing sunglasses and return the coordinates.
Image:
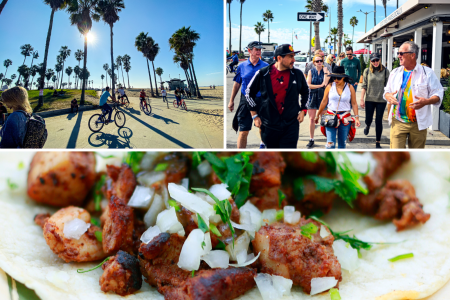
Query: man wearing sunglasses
(242, 120)
(278, 112)
(352, 67)
(411, 89)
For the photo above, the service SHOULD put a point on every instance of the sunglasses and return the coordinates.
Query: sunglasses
(342, 56)
(317, 61)
(338, 78)
(402, 53)
(349, 54)
(375, 60)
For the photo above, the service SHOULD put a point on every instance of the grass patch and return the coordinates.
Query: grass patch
(51, 103)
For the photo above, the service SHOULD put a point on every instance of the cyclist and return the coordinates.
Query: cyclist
(103, 98)
(164, 94)
(235, 59)
(178, 96)
(142, 95)
(121, 91)
(183, 92)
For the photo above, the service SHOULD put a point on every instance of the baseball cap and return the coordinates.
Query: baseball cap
(284, 50)
(255, 44)
(374, 56)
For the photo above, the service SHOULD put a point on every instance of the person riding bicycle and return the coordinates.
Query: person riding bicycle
(121, 91)
(183, 93)
(164, 94)
(103, 99)
(142, 95)
(235, 59)
(178, 96)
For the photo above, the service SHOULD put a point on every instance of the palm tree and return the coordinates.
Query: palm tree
(48, 75)
(316, 6)
(127, 66)
(159, 71)
(229, 24)
(353, 22)
(7, 63)
(142, 46)
(259, 28)
(119, 62)
(35, 56)
(384, 5)
(109, 10)
(77, 71)
(1, 77)
(23, 70)
(181, 61)
(27, 50)
(2, 5)
(106, 68)
(153, 50)
(340, 24)
(240, 34)
(58, 69)
(110, 76)
(334, 32)
(55, 5)
(54, 80)
(268, 17)
(33, 71)
(79, 56)
(64, 53)
(82, 12)
(69, 71)
(102, 77)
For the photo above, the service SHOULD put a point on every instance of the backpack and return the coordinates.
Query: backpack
(36, 134)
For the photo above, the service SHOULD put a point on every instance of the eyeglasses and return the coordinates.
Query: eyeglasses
(375, 60)
(349, 54)
(317, 61)
(402, 53)
(342, 56)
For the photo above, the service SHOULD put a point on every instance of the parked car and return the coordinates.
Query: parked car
(246, 54)
(300, 62)
(267, 56)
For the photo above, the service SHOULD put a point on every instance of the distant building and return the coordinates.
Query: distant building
(176, 83)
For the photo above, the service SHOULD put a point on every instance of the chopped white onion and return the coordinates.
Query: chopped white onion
(192, 250)
(250, 215)
(167, 221)
(282, 285)
(290, 215)
(204, 168)
(215, 219)
(246, 227)
(141, 197)
(241, 257)
(185, 183)
(248, 262)
(220, 191)
(156, 207)
(269, 216)
(149, 234)
(241, 243)
(165, 196)
(149, 178)
(273, 287)
(191, 202)
(148, 159)
(347, 256)
(75, 228)
(217, 259)
(205, 197)
(322, 284)
(324, 232)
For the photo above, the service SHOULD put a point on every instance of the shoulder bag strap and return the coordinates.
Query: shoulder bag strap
(337, 109)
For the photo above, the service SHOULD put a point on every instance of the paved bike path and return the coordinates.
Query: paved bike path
(164, 128)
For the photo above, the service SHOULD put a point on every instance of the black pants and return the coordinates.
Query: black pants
(233, 64)
(370, 109)
(287, 138)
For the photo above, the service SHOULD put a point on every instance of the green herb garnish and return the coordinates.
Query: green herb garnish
(280, 215)
(281, 197)
(96, 267)
(203, 245)
(98, 192)
(202, 224)
(105, 156)
(399, 257)
(308, 230)
(21, 165)
(220, 245)
(98, 236)
(193, 273)
(95, 221)
(174, 204)
(133, 159)
(309, 156)
(299, 190)
(214, 229)
(11, 185)
(334, 294)
(161, 167)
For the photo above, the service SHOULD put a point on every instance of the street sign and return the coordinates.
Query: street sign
(310, 17)
(331, 47)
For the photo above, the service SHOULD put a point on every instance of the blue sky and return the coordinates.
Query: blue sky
(285, 20)
(26, 22)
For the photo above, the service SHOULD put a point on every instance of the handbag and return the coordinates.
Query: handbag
(332, 120)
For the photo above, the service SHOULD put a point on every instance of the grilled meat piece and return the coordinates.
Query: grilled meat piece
(296, 163)
(123, 182)
(267, 198)
(286, 252)
(396, 201)
(121, 275)
(267, 170)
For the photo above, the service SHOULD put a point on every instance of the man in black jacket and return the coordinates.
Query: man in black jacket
(278, 112)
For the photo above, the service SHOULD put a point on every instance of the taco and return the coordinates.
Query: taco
(200, 225)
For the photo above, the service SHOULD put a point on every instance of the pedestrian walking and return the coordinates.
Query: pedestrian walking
(310, 65)
(330, 60)
(164, 94)
(278, 112)
(374, 80)
(340, 97)
(317, 81)
(411, 89)
(352, 67)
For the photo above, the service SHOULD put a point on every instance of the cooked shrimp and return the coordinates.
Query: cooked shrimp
(86, 248)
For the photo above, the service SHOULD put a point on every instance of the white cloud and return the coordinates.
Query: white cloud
(215, 73)
(390, 3)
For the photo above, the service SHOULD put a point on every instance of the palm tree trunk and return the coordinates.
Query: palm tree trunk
(106, 81)
(353, 35)
(189, 79)
(340, 24)
(123, 80)
(47, 44)
(199, 96)
(229, 15)
(20, 75)
(112, 63)
(32, 79)
(268, 31)
(128, 80)
(83, 86)
(192, 84)
(154, 76)
(2, 5)
(316, 36)
(62, 75)
(150, 77)
(240, 34)
(259, 37)
(26, 83)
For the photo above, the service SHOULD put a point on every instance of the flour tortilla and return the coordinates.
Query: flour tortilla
(26, 257)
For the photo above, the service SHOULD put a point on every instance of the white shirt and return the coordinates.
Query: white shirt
(121, 91)
(164, 93)
(346, 99)
(424, 84)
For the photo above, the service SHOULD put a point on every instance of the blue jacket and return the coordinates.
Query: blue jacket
(13, 132)
(235, 58)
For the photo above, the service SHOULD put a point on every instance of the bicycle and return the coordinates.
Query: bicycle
(125, 101)
(97, 121)
(145, 106)
(229, 68)
(182, 103)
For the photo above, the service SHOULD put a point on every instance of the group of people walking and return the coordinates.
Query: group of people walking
(327, 91)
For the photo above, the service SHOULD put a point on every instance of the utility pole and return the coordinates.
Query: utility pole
(366, 13)
(310, 38)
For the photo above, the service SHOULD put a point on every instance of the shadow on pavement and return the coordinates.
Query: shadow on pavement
(167, 120)
(98, 139)
(71, 144)
(132, 110)
(161, 133)
(70, 116)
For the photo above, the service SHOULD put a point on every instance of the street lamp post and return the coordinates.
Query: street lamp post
(366, 13)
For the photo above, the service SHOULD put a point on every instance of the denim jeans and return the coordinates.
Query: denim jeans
(355, 86)
(107, 108)
(342, 133)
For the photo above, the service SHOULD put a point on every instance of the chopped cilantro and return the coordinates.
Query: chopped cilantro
(334, 294)
(220, 245)
(95, 221)
(202, 224)
(203, 245)
(96, 267)
(98, 236)
(133, 159)
(161, 167)
(174, 204)
(281, 197)
(193, 273)
(214, 229)
(98, 192)
(299, 191)
(309, 156)
(105, 156)
(330, 161)
(11, 185)
(280, 215)
(21, 165)
(399, 257)
(308, 230)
